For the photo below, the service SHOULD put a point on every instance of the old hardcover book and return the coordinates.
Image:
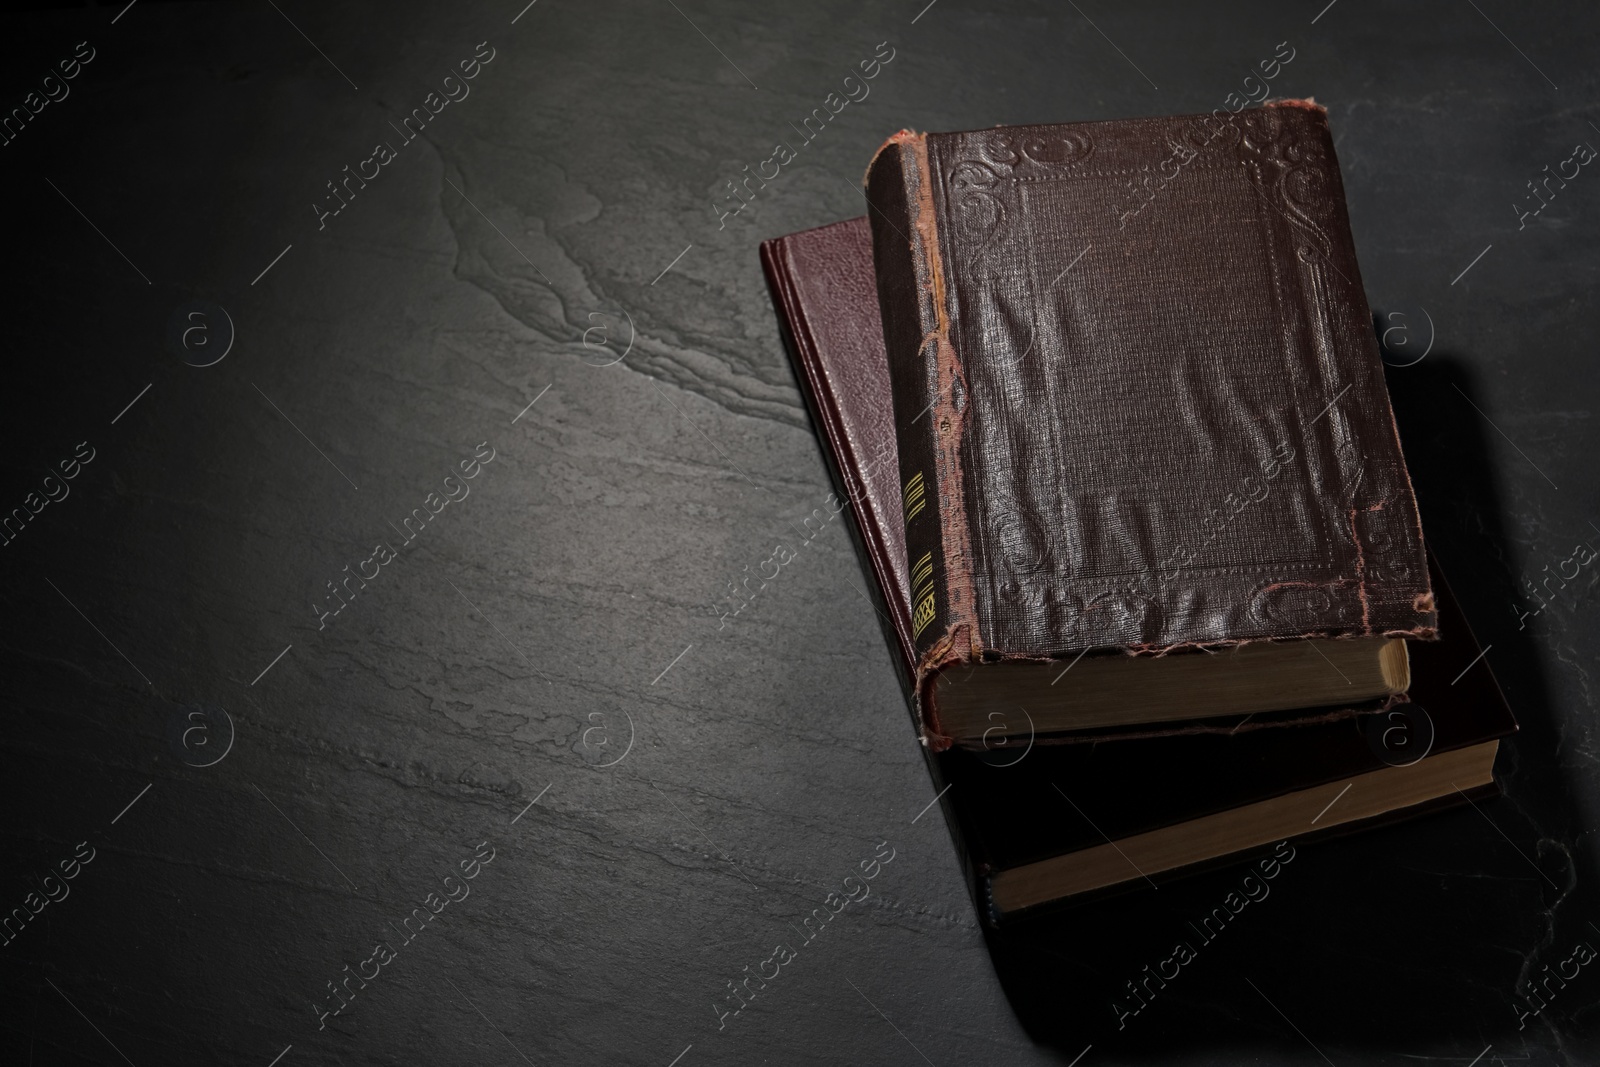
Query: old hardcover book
(1037, 824)
(1149, 467)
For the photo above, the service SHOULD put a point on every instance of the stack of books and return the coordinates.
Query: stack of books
(1107, 404)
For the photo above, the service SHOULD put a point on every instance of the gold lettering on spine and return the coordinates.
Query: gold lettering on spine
(922, 594)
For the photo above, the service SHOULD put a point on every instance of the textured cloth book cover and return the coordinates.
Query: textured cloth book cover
(1135, 414)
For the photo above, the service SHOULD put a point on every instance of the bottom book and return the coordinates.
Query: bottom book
(1040, 821)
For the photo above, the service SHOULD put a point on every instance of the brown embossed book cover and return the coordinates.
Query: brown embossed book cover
(1033, 823)
(1140, 407)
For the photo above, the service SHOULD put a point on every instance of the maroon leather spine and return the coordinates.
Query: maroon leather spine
(1133, 366)
(821, 283)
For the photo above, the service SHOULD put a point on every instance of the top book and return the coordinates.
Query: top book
(1141, 413)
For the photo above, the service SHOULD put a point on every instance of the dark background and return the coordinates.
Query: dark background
(524, 639)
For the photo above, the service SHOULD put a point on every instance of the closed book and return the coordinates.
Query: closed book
(1038, 824)
(1141, 424)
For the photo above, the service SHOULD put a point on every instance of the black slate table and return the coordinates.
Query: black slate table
(288, 282)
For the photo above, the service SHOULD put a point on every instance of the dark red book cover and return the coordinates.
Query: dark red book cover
(1094, 391)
